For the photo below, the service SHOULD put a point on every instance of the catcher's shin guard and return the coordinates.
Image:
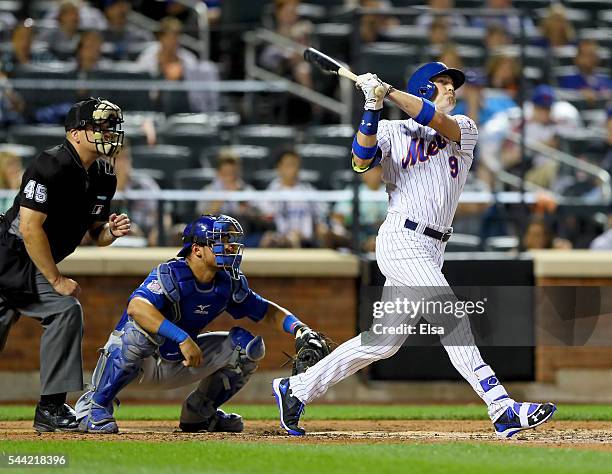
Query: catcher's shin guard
(200, 410)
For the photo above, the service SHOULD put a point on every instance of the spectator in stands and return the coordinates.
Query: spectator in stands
(511, 21)
(166, 59)
(229, 178)
(607, 161)
(504, 73)
(89, 52)
(604, 241)
(373, 27)
(545, 117)
(496, 37)
(11, 171)
(586, 78)
(439, 32)
(539, 235)
(371, 213)
(288, 63)
(297, 224)
(12, 106)
(556, 29)
(64, 39)
(21, 52)
(455, 20)
(117, 32)
(89, 17)
(143, 212)
(451, 57)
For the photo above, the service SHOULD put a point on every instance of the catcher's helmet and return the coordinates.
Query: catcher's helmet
(421, 85)
(105, 119)
(222, 234)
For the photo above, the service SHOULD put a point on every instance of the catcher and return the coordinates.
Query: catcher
(158, 340)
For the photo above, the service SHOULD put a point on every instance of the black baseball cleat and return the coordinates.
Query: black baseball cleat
(55, 418)
(290, 407)
(219, 422)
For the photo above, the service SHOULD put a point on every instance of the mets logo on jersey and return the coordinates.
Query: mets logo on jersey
(201, 309)
(417, 152)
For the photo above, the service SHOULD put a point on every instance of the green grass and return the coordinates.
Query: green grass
(332, 412)
(136, 457)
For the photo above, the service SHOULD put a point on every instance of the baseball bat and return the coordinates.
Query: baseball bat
(328, 64)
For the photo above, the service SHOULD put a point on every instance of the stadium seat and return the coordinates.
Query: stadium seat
(222, 120)
(463, 243)
(502, 243)
(191, 179)
(40, 137)
(389, 60)
(37, 98)
(603, 36)
(158, 175)
(167, 158)
(325, 159)
(340, 135)
(130, 99)
(249, 12)
(270, 136)
(334, 39)
(343, 179)
(196, 137)
(263, 178)
(578, 18)
(252, 157)
(26, 152)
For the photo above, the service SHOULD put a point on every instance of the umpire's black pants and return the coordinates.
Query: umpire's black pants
(61, 364)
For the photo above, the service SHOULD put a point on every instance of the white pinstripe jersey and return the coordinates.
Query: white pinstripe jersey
(424, 173)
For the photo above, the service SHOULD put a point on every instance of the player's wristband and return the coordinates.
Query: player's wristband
(363, 152)
(291, 324)
(172, 332)
(427, 113)
(369, 122)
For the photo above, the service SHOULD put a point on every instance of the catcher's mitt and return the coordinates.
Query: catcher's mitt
(310, 348)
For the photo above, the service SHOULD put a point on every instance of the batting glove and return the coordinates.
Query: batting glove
(373, 89)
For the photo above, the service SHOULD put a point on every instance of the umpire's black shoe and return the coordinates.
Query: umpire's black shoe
(55, 418)
(290, 407)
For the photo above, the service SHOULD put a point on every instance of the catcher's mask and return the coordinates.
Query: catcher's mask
(222, 234)
(104, 119)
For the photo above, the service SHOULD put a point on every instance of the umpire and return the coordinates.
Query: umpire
(64, 193)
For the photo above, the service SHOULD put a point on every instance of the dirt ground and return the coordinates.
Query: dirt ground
(589, 435)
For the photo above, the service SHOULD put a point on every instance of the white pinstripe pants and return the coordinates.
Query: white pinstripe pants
(410, 262)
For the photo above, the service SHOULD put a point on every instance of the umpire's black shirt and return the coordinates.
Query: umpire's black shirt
(73, 198)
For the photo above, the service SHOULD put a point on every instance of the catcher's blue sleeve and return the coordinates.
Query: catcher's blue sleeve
(252, 306)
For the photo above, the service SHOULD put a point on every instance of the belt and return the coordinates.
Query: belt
(429, 232)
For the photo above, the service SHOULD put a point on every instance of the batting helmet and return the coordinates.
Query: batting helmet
(222, 234)
(421, 85)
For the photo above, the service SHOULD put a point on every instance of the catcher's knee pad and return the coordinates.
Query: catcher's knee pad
(253, 346)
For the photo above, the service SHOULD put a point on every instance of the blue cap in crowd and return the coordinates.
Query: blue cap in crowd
(543, 96)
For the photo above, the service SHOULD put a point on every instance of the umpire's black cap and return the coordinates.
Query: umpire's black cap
(80, 114)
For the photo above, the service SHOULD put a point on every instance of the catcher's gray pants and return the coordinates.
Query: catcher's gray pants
(61, 364)
(225, 369)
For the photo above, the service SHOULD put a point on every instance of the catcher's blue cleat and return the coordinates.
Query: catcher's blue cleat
(522, 416)
(290, 407)
(98, 420)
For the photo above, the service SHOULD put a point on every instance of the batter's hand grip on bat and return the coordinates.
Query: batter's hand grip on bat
(329, 64)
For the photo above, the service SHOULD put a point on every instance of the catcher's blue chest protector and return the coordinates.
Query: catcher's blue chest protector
(191, 305)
